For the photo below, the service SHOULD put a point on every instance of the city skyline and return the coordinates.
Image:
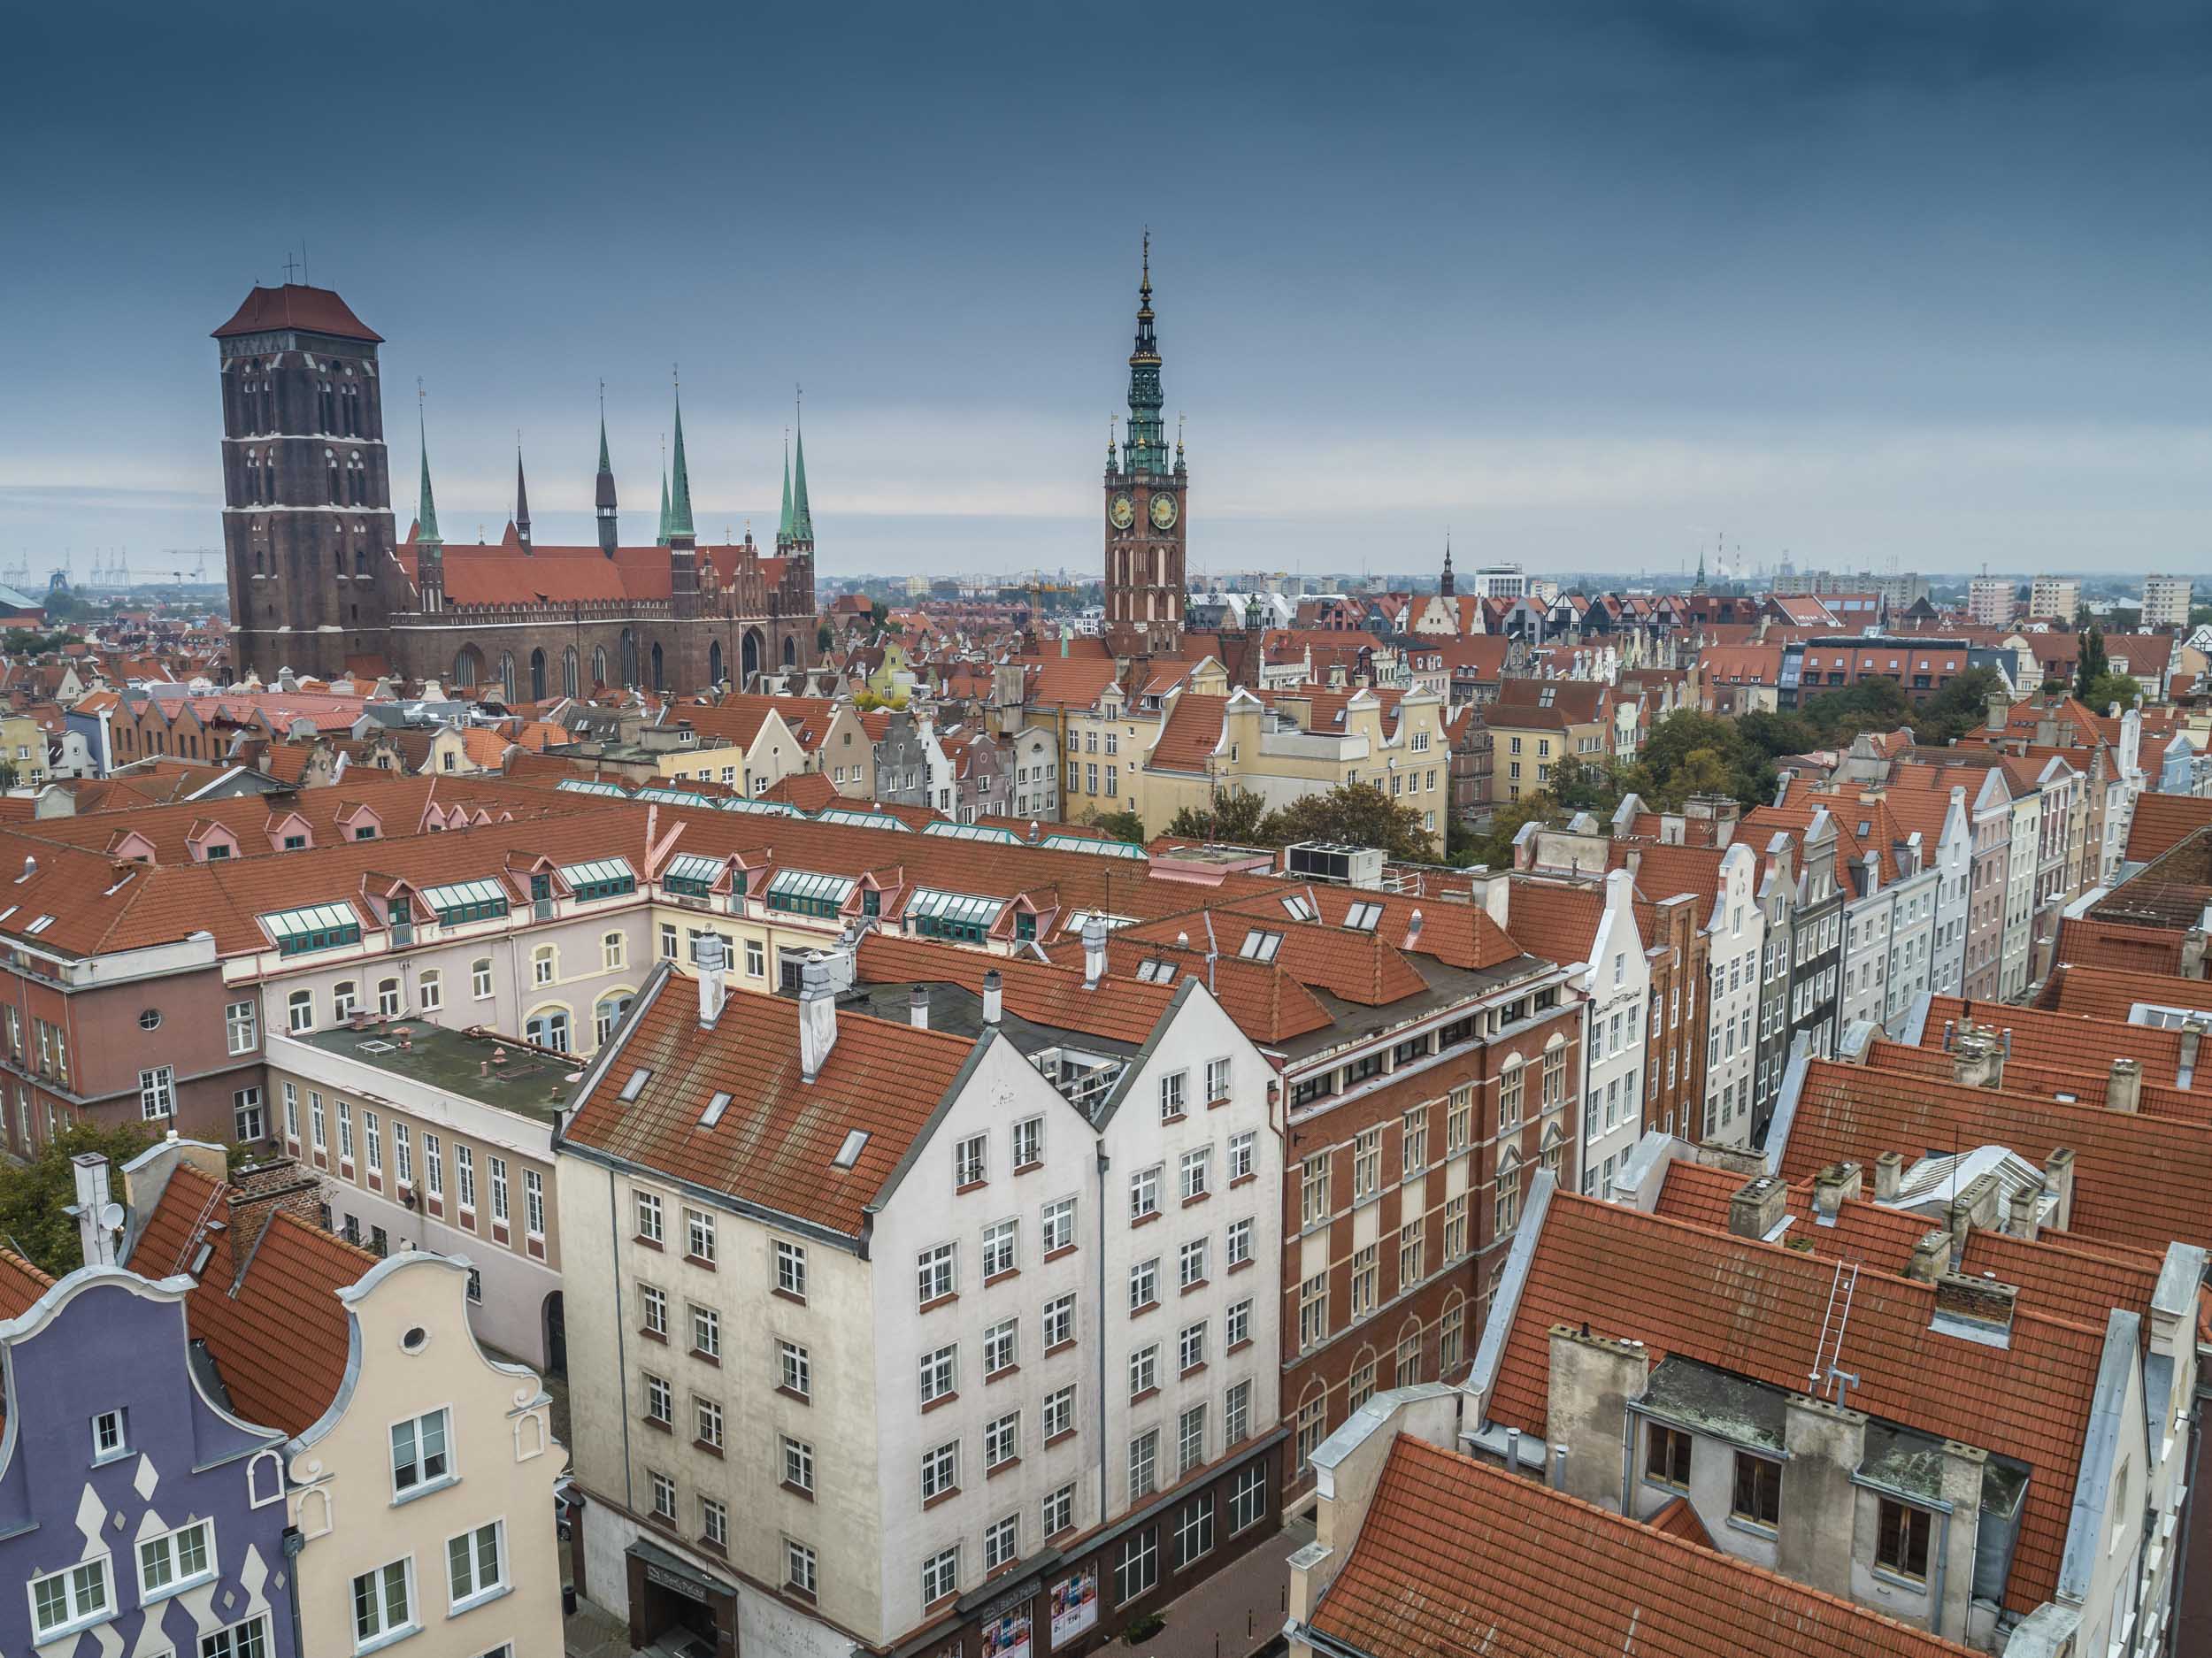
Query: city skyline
(1589, 289)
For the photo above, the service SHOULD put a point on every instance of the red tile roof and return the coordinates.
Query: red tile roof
(1189, 734)
(2162, 821)
(2111, 994)
(296, 305)
(1121, 1009)
(1456, 1557)
(2087, 941)
(1758, 1311)
(2066, 1042)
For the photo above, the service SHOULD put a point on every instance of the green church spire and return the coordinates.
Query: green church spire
(661, 539)
(680, 488)
(783, 524)
(1145, 449)
(801, 514)
(426, 509)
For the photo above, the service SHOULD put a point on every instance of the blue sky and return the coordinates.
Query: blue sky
(1589, 283)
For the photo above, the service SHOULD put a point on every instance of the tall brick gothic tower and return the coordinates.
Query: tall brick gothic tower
(1144, 509)
(307, 499)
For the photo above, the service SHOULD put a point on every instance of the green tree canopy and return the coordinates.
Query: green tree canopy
(2093, 664)
(1123, 825)
(1236, 815)
(1958, 708)
(1494, 847)
(1356, 814)
(33, 1194)
(2107, 688)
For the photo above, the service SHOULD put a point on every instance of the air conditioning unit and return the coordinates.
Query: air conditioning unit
(1326, 861)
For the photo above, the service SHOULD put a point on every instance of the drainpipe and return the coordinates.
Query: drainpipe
(293, 1544)
(1942, 1571)
(621, 1353)
(1104, 1437)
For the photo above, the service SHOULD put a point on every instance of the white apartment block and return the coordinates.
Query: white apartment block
(1989, 601)
(2054, 598)
(2166, 601)
(917, 1312)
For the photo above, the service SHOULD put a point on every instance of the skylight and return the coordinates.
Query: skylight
(848, 1154)
(1156, 972)
(713, 1115)
(1298, 906)
(1363, 917)
(1260, 947)
(635, 1086)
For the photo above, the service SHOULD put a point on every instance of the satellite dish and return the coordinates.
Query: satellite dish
(112, 1216)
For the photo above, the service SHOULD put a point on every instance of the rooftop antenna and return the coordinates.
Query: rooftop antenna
(290, 266)
(303, 282)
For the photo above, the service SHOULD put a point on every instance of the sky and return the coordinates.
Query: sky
(1589, 286)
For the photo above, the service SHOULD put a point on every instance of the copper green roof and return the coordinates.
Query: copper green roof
(680, 485)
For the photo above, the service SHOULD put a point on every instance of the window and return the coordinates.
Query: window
(1361, 1386)
(1059, 1511)
(1190, 1440)
(668, 940)
(656, 1304)
(799, 1567)
(1059, 1416)
(176, 1558)
(1001, 1346)
(1242, 1156)
(345, 1130)
(419, 1452)
(1366, 1164)
(1757, 1495)
(72, 1595)
(1507, 1207)
(706, 1331)
(940, 1373)
(247, 1119)
(756, 959)
(663, 1498)
(798, 1464)
(1190, 1348)
(941, 1575)
(648, 1213)
(1247, 1498)
(795, 1365)
(941, 1470)
(1029, 1142)
(242, 1026)
(791, 1269)
(1059, 1322)
(372, 1131)
(660, 1400)
(1195, 1530)
(383, 1601)
(1366, 1270)
(157, 1092)
(610, 951)
(1239, 1243)
(714, 1523)
(698, 1235)
(1196, 1173)
(1459, 1120)
(706, 1417)
(999, 1253)
(934, 1273)
(110, 1438)
(1059, 1225)
(1455, 1227)
(1412, 1252)
(1902, 1540)
(970, 1161)
(480, 979)
(1144, 1284)
(1237, 1327)
(473, 1568)
(1217, 1080)
(1137, 1571)
(430, 990)
(1413, 1140)
(1313, 1190)
(1313, 1310)
(1144, 1193)
(251, 1640)
(1451, 1340)
(1144, 1464)
(1144, 1370)
(1667, 1456)
(1191, 1264)
(1003, 1439)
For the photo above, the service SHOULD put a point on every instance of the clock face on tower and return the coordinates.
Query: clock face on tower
(1164, 511)
(1121, 512)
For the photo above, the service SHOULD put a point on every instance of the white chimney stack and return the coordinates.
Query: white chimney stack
(917, 1008)
(994, 996)
(818, 1017)
(97, 1216)
(1094, 951)
(706, 956)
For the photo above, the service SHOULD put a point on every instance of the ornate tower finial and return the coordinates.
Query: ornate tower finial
(661, 539)
(783, 523)
(1146, 450)
(426, 506)
(679, 528)
(1446, 585)
(802, 508)
(522, 496)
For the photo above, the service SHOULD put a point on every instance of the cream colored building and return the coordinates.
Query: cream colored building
(2057, 598)
(2166, 601)
(424, 1497)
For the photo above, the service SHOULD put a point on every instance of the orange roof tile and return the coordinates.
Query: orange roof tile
(2111, 994)
(2091, 942)
(2162, 821)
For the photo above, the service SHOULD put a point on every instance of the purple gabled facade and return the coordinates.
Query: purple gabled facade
(121, 1470)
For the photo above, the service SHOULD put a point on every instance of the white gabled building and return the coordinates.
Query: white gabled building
(945, 1297)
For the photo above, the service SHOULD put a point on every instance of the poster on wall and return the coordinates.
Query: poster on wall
(1007, 1636)
(1074, 1606)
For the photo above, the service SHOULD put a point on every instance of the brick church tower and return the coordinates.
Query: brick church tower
(307, 500)
(1144, 509)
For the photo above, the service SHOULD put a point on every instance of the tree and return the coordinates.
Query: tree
(1773, 734)
(1958, 708)
(1355, 814)
(1494, 847)
(1123, 825)
(2107, 688)
(1663, 778)
(824, 638)
(1236, 815)
(1586, 785)
(2094, 664)
(33, 1194)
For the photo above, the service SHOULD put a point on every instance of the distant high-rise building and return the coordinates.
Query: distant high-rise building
(2054, 598)
(1500, 581)
(2166, 601)
(1989, 601)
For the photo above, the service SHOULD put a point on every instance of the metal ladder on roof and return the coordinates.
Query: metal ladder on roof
(1828, 1356)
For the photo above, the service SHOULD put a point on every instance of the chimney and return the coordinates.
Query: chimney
(1976, 1061)
(95, 1224)
(2123, 1089)
(1984, 1305)
(994, 997)
(1758, 1207)
(2020, 1212)
(1930, 1256)
(1559, 1468)
(1833, 1187)
(1999, 708)
(2193, 953)
(2058, 1177)
(918, 1008)
(1889, 1176)
(1513, 1450)
(706, 956)
(818, 1017)
(1094, 951)
(30, 867)
(1413, 930)
(2192, 1029)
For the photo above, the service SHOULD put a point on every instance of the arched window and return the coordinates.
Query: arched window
(548, 1027)
(790, 650)
(387, 998)
(507, 675)
(537, 676)
(629, 657)
(747, 661)
(568, 672)
(299, 1011)
(598, 665)
(360, 559)
(660, 673)
(607, 1015)
(330, 476)
(545, 964)
(468, 666)
(714, 662)
(325, 405)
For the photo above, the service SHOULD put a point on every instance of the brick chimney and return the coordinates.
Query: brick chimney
(2123, 1089)
(1833, 1187)
(1983, 1303)
(1758, 1207)
(1930, 1256)
(1977, 1061)
(1889, 1176)
(2193, 953)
